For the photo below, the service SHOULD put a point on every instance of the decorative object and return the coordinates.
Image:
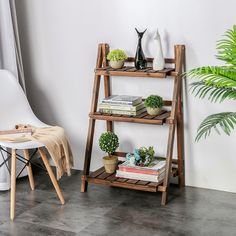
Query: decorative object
(158, 61)
(153, 104)
(109, 142)
(218, 84)
(141, 157)
(168, 119)
(140, 60)
(116, 58)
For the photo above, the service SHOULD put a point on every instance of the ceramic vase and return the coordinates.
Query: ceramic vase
(159, 60)
(140, 60)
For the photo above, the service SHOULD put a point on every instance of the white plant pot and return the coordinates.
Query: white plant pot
(116, 64)
(153, 111)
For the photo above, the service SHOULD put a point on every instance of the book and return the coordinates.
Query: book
(156, 168)
(120, 112)
(121, 107)
(144, 177)
(123, 99)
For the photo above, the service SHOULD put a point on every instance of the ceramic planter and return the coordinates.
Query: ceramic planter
(116, 64)
(110, 163)
(153, 111)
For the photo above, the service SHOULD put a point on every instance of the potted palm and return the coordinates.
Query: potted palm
(154, 104)
(109, 142)
(218, 83)
(116, 58)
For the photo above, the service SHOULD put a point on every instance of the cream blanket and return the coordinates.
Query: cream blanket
(55, 141)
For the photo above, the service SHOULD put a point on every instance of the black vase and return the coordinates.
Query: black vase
(140, 60)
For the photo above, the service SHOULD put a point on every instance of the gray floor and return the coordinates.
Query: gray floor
(112, 211)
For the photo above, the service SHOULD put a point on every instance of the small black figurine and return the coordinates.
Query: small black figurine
(140, 61)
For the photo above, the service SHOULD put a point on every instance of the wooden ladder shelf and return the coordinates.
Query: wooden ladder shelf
(172, 118)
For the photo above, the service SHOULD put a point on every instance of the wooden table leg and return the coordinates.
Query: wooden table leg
(29, 169)
(13, 184)
(52, 176)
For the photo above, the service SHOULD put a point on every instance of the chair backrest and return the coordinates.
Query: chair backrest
(14, 106)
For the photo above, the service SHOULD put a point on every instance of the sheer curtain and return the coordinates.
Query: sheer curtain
(10, 59)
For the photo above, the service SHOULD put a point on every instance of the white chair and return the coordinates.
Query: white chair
(15, 109)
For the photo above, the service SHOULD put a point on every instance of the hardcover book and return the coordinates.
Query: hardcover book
(156, 168)
(120, 107)
(123, 99)
(144, 177)
(120, 112)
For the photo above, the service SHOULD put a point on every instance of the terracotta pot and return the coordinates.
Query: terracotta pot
(116, 64)
(110, 163)
(153, 111)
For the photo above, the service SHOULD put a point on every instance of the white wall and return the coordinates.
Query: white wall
(59, 40)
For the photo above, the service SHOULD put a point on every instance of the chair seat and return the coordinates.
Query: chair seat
(22, 145)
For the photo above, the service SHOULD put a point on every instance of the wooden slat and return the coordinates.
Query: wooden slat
(121, 180)
(97, 172)
(137, 73)
(141, 182)
(112, 177)
(154, 121)
(162, 116)
(104, 175)
(152, 117)
(132, 181)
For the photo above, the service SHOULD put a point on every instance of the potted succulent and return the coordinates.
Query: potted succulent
(116, 58)
(109, 142)
(153, 103)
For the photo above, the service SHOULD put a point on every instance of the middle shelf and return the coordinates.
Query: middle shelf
(143, 118)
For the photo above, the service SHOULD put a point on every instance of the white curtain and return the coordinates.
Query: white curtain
(10, 59)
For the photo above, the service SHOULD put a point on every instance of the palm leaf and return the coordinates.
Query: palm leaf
(227, 47)
(214, 94)
(225, 120)
(219, 76)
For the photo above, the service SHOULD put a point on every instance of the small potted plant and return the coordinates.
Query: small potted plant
(153, 103)
(116, 58)
(109, 142)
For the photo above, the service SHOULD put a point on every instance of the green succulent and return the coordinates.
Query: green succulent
(117, 55)
(108, 142)
(154, 101)
(218, 83)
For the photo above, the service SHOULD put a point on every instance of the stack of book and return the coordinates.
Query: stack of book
(153, 173)
(122, 105)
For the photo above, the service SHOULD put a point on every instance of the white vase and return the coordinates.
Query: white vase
(153, 111)
(159, 60)
(116, 64)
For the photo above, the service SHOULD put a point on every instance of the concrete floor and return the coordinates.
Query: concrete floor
(112, 211)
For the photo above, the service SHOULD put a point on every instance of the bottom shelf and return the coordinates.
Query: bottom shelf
(101, 177)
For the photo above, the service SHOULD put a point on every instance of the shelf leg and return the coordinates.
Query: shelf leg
(88, 153)
(168, 163)
(180, 149)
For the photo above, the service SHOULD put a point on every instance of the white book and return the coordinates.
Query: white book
(123, 99)
(120, 107)
(144, 177)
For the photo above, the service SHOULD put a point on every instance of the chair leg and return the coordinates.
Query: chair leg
(13, 184)
(29, 169)
(52, 176)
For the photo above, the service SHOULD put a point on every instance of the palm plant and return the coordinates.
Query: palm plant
(218, 83)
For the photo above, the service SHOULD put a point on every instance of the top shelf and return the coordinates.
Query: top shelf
(131, 71)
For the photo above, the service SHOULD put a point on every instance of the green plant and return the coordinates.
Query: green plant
(154, 101)
(218, 83)
(117, 55)
(108, 142)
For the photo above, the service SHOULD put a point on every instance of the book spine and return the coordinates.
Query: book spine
(120, 107)
(117, 112)
(118, 102)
